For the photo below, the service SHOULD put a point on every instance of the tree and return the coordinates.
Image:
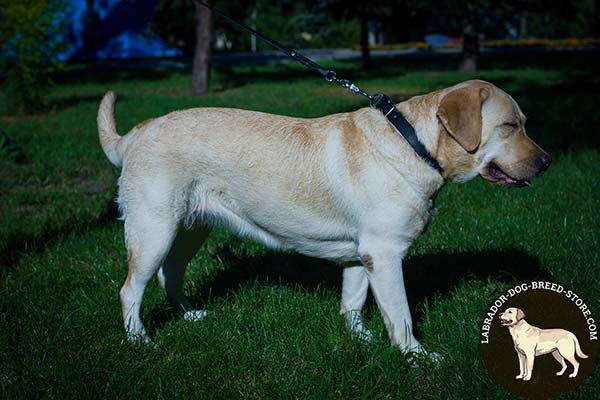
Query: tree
(560, 18)
(174, 22)
(461, 17)
(470, 37)
(550, 18)
(31, 39)
(365, 12)
(202, 53)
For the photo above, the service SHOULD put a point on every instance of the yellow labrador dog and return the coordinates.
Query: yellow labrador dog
(531, 341)
(345, 187)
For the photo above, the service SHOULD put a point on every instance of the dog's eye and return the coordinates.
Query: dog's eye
(508, 129)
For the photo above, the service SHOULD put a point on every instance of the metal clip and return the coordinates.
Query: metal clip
(345, 83)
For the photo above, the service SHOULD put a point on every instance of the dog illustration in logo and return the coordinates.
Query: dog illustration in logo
(531, 341)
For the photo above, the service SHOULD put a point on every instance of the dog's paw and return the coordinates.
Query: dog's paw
(417, 355)
(433, 356)
(141, 339)
(355, 324)
(519, 377)
(527, 378)
(573, 375)
(195, 315)
(363, 334)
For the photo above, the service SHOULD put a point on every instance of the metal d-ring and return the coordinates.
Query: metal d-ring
(331, 75)
(375, 98)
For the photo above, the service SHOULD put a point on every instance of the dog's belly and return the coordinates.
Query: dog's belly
(279, 225)
(552, 339)
(335, 250)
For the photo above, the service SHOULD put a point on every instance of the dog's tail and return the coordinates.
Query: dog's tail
(113, 145)
(580, 353)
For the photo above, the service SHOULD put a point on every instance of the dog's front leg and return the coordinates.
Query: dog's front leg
(529, 361)
(387, 283)
(521, 365)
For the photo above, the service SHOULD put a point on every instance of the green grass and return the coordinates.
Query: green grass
(274, 328)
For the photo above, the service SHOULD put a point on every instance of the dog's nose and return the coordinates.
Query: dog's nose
(544, 162)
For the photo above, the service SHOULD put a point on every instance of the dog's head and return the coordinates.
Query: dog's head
(511, 316)
(482, 133)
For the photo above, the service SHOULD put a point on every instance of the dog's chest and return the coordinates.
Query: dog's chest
(520, 339)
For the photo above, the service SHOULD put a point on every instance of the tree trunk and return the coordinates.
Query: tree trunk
(470, 51)
(253, 26)
(522, 25)
(364, 42)
(202, 51)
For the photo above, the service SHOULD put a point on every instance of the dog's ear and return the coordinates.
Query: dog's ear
(460, 114)
(520, 314)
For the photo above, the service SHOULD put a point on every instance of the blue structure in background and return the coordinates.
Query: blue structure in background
(115, 29)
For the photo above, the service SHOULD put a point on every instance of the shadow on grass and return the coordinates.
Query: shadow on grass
(62, 103)
(19, 245)
(349, 69)
(425, 276)
(108, 73)
(393, 66)
(65, 102)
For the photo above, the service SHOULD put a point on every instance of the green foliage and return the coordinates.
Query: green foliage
(31, 37)
(174, 21)
(297, 24)
(10, 149)
(559, 18)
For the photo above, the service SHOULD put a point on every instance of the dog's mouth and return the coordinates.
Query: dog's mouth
(492, 172)
(505, 322)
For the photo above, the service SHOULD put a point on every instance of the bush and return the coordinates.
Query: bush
(31, 39)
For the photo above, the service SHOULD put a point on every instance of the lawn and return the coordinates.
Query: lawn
(273, 330)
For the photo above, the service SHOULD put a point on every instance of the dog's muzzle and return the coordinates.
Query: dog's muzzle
(523, 173)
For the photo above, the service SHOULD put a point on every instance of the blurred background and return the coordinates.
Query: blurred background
(37, 37)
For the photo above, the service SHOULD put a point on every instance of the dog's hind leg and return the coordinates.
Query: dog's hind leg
(149, 238)
(170, 275)
(556, 354)
(566, 347)
(354, 294)
(571, 358)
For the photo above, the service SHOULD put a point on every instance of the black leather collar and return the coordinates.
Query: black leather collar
(385, 105)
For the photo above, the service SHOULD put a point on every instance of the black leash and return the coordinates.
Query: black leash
(379, 101)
